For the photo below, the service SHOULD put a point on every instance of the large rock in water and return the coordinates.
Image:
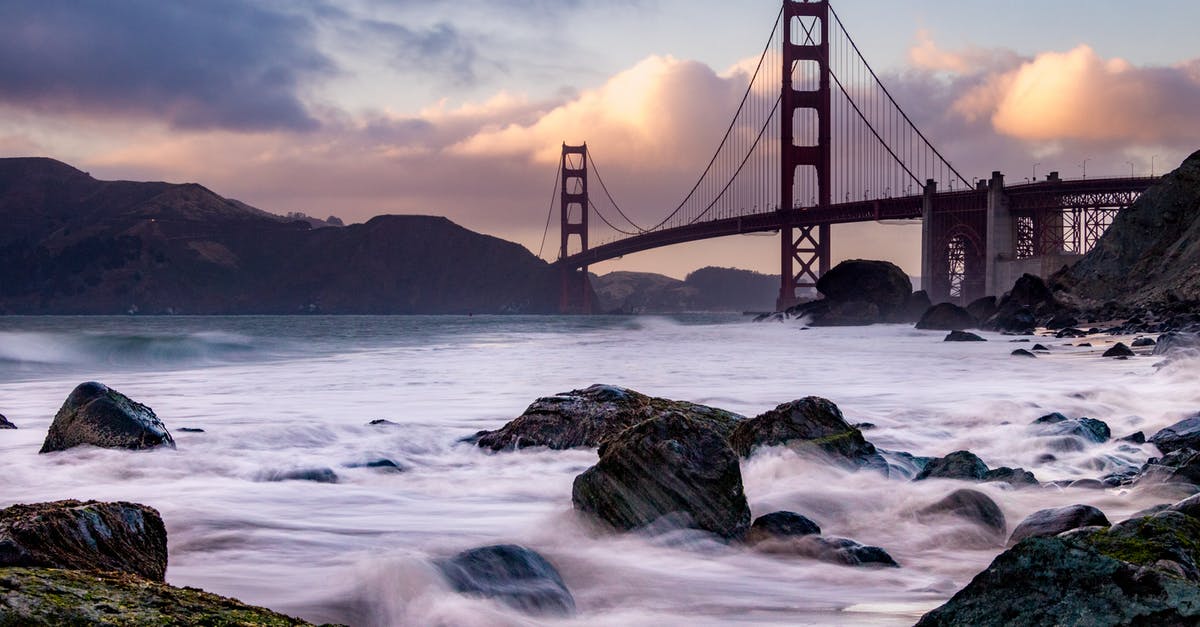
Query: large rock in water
(1183, 434)
(43, 597)
(589, 417)
(946, 317)
(809, 425)
(1142, 571)
(1151, 253)
(861, 292)
(671, 465)
(124, 537)
(101, 416)
(511, 574)
(1020, 309)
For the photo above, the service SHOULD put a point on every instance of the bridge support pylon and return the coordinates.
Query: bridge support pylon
(576, 294)
(805, 248)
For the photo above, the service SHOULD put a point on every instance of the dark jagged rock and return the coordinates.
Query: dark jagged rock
(811, 424)
(833, 550)
(590, 416)
(1020, 352)
(1019, 310)
(971, 505)
(1143, 342)
(1051, 522)
(91, 535)
(190, 430)
(1179, 466)
(5, 424)
(946, 317)
(963, 336)
(101, 416)
(957, 465)
(1056, 424)
(1183, 434)
(859, 292)
(1013, 476)
(511, 574)
(381, 464)
(316, 475)
(1137, 437)
(781, 525)
(1040, 348)
(668, 465)
(383, 422)
(1119, 350)
(918, 303)
(43, 597)
(982, 308)
(1175, 343)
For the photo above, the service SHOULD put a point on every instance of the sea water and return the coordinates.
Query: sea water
(276, 394)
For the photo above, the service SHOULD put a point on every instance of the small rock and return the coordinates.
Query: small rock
(5, 424)
(1056, 424)
(1013, 476)
(190, 430)
(101, 416)
(971, 505)
(1084, 345)
(1020, 352)
(1142, 342)
(809, 425)
(1119, 350)
(382, 464)
(1137, 437)
(383, 422)
(957, 465)
(946, 317)
(781, 525)
(1051, 522)
(513, 575)
(963, 336)
(1088, 484)
(842, 551)
(316, 475)
(1040, 348)
(1061, 321)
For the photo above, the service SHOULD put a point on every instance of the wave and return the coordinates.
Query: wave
(33, 348)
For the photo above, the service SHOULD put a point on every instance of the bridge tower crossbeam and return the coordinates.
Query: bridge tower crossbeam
(804, 254)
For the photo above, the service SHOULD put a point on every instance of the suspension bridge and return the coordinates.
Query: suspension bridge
(818, 140)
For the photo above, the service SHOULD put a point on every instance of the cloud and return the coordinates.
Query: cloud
(225, 64)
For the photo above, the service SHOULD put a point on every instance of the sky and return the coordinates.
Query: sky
(357, 108)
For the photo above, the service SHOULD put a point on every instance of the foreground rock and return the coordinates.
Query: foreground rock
(42, 597)
(967, 466)
(810, 425)
(5, 424)
(124, 537)
(859, 292)
(946, 317)
(1183, 434)
(590, 416)
(671, 465)
(511, 574)
(101, 416)
(1051, 522)
(1141, 571)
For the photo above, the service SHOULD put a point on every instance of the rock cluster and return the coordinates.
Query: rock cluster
(811, 424)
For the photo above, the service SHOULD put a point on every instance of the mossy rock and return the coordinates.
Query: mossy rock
(33, 597)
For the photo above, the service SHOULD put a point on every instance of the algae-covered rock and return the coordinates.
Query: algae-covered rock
(101, 416)
(37, 597)
(811, 424)
(120, 536)
(590, 416)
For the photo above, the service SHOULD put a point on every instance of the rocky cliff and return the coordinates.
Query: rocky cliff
(74, 245)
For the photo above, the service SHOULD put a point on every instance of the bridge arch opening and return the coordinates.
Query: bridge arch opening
(964, 271)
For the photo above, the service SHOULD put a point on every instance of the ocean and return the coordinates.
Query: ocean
(277, 394)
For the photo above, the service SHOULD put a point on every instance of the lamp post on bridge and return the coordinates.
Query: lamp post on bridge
(1084, 166)
(1131, 174)
(1035, 167)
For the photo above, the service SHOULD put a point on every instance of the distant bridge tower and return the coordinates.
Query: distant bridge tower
(576, 290)
(805, 248)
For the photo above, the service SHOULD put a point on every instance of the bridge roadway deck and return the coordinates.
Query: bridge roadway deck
(900, 208)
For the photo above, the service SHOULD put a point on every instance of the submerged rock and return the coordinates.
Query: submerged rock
(668, 465)
(1056, 424)
(813, 425)
(957, 465)
(42, 597)
(1183, 434)
(381, 464)
(316, 475)
(101, 416)
(1051, 522)
(781, 525)
(1020, 352)
(963, 336)
(1013, 476)
(92, 535)
(1119, 350)
(842, 551)
(511, 574)
(5, 424)
(970, 505)
(588, 417)
(946, 317)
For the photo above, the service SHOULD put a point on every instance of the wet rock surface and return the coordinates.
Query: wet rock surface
(514, 575)
(967, 466)
(1051, 522)
(970, 505)
(946, 317)
(1119, 350)
(92, 535)
(781, 525)
(98, 415)
(671, 465)
(860, 292)
(843, 551)
(1056, 424)
(963, 336)
(809, 425)
(588, 417)
(1183, 434)
(5, 424)
(316, 475)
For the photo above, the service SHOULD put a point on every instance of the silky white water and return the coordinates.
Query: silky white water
(275, 394)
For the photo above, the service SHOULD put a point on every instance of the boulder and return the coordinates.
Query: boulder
(1051, 522)
(963, 336)
(588, 417)
(511, 574)
(1020, 352)
(1183, 434)
(946, 317)
(1142, 342)
(46, 597)
(847, 313)
(781, 525)
(811, 424)
(1017, 477)
(982, 308)
(970, 505)
(101, 416)
(880, 283)
(1178, 466)
(5, 424)
(1056, 424)
(92, 535)
(918, 302)
(843, 551)
(668, 465)
(957, 465)
(1119, 350)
